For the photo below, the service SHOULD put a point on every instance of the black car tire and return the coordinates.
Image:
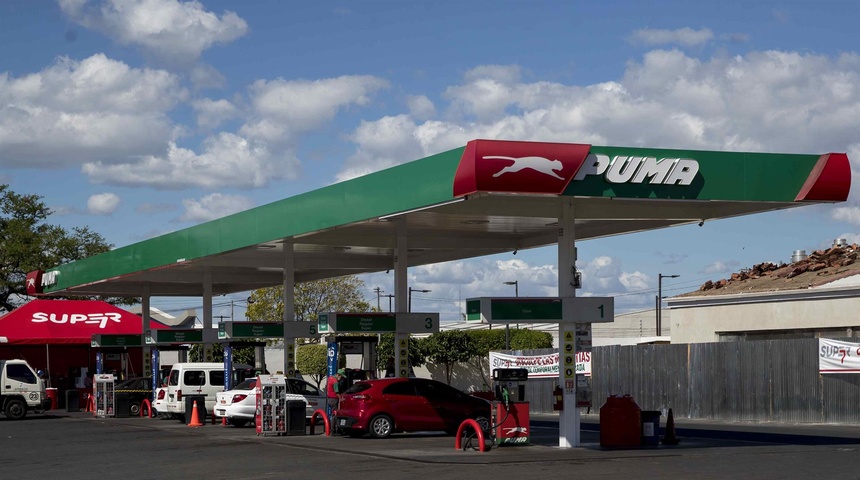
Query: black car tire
(16, 409)
(180, 417)
(238, 422)
(134, 409)
(380, 426)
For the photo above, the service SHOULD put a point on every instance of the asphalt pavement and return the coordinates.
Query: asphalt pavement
(78, 445)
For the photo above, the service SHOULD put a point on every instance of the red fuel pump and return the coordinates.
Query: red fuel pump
(558, 399)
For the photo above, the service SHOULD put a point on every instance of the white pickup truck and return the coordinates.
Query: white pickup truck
(21, 390)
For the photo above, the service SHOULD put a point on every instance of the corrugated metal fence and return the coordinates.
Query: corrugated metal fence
(770, 380)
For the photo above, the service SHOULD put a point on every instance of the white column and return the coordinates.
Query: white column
(289, 308)
(401, 286)
(568, 422)
(146, 350)
(207, 314)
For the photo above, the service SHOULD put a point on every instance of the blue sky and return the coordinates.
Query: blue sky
(141, 117)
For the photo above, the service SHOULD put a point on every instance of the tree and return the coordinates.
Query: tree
(450, 347)
(246, 355)
(385, 351)
(486, 341)
(340, 294)
(312, 360)
(28, 242)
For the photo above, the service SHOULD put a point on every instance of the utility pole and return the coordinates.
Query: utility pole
(660, 278)
(378, 293)
(409, 303)
(390, 296)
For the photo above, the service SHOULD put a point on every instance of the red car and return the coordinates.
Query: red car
(387, 405)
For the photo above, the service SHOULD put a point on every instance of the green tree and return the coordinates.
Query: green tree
(340, 294)
(385, 351)
(525, 339)
(449, 348)
(312, 360)
(28, 242)
(246, 355)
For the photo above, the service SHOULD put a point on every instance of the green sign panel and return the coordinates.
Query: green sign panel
(473, 310)
(116, 341)
(365, 322)
(258, 329)
(175, 336)
(541, 309)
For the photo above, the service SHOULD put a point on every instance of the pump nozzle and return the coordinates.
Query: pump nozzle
(506, 397)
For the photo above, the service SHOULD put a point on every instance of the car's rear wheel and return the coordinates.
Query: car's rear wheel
(381, 426)
(238, 422)
(134, 409)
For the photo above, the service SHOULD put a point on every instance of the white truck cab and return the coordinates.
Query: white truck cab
(21, 390)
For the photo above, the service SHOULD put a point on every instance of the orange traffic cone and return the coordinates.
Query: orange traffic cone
(669, 438)
(195, 417)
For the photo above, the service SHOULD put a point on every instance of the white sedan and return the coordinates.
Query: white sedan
(239, 405)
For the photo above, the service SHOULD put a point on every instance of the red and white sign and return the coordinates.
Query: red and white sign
(539, 366)
(43, 322)
(518, 167)
(838, 357)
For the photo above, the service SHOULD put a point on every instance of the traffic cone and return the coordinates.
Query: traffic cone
(195, 417)
(669, 438)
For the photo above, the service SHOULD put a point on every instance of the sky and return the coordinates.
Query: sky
(142, 117)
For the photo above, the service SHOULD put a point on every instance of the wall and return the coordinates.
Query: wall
(700, 319)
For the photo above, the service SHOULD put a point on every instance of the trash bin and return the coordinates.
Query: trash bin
(53, 395)
(73, 401)
(651, 427)
(122, 404)
(295, 417)
(189, 408)
(620, 422)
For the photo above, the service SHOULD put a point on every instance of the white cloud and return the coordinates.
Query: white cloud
(226, 160)
(635, 281)
(683, 36)
(95, 109)
(762, 101)
(214, 206)
(420, 107)
(173, 31)
(211, 113)
(103, 203)
(720, 267)
(283, 108)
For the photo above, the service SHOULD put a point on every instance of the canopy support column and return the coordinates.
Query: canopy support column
(568, 421)
(207, 314)
(401, 282)
(289, 307)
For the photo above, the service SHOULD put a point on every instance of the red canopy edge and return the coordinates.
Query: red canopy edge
(68, 322)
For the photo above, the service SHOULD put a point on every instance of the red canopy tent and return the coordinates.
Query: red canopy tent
(68, 326)
(65, 322)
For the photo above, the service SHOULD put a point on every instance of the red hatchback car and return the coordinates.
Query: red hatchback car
(387, 405)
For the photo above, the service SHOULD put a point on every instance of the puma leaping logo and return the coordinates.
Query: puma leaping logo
(538, 164)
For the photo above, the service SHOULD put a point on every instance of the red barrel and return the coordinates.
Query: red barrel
(54, 396)
(620, 422)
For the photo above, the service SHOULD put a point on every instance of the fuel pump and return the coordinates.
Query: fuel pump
(510, 409)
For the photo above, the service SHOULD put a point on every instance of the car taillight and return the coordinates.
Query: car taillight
(238, 398)
(179, 395)
(161, 395)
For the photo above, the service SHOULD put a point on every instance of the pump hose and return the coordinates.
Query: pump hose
(467, 444)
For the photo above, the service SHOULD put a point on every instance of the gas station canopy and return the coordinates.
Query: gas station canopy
(484, 198)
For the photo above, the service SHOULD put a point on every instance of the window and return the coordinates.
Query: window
(358, 387)
(173, 381)
(216, 378)
(21, 373)
(399, 388)
(194, 377)
(303, 388)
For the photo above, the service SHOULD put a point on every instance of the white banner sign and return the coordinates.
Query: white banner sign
(539, 366)
(838, 357)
